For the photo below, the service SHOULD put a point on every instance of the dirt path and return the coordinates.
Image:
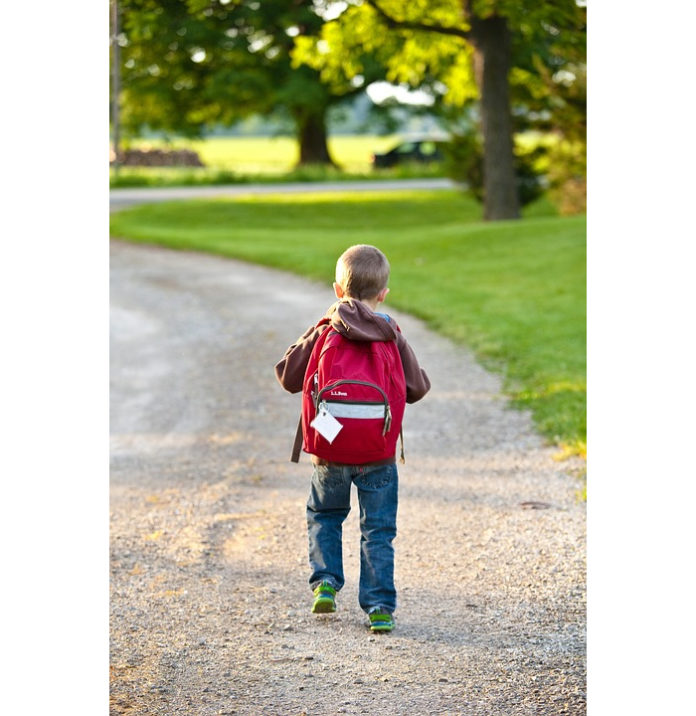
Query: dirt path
(121, 198)
(209, 596)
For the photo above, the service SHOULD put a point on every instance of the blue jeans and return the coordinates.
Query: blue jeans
(327, 508)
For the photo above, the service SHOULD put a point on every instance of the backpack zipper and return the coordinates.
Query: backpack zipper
(387, 410)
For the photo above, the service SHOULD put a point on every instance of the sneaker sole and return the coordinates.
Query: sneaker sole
(380, 623)
(323, 606)
(381, 627)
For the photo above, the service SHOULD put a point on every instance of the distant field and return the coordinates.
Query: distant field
(276, 154)
(232, 160)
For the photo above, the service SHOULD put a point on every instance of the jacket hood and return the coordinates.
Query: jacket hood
(357, 322)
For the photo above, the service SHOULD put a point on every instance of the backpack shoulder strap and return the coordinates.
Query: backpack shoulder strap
(297, 445)
(321, 339)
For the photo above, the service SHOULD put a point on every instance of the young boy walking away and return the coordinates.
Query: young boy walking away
(356, 371)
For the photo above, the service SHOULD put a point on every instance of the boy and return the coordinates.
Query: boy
(362, 273)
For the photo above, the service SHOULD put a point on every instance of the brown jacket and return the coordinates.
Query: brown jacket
(355, 321)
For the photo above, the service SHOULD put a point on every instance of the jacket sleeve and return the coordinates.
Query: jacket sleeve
(291, 369)
(417, 381)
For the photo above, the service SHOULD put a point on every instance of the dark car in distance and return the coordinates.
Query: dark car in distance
(420, 150)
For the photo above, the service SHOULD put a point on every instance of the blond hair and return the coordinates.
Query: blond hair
(362, 271)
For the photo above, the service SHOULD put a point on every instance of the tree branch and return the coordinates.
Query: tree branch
(392, 22)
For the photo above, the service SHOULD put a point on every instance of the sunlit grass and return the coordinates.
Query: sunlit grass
(205, 176)
(243, 160)
(238, 160)
(513, 291)
(275, 155)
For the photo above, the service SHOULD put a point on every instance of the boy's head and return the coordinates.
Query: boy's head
(362, 272)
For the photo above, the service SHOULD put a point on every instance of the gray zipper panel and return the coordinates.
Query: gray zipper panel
(354, 410)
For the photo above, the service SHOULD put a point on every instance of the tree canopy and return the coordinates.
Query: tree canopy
(188, 64)
(504, 54)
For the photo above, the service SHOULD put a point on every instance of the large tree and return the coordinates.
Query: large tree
(464, 48)
(191, 64)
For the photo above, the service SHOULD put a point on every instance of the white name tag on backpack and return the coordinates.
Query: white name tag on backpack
(326, 425)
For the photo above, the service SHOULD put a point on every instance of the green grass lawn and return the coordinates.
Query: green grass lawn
(239, 160)
(275, 154)
(513, 291)
(243, 160)
(258, 154)
(230, 160)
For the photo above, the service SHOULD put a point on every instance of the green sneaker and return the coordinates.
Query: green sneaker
(381, 620)
(324, 599)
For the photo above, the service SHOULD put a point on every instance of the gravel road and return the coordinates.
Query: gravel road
(124, 197)
(209, 595)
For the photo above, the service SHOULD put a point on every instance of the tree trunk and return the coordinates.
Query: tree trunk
(491, 40)
(312, 137)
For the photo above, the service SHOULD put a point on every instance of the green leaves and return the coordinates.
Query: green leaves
(342, 49)
(189, 63)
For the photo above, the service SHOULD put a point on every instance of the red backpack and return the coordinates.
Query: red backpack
(361, 385)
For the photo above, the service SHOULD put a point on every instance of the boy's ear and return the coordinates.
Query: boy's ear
(338, 290)
(382, 295)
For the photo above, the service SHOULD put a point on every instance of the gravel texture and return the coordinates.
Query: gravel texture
(209, 595)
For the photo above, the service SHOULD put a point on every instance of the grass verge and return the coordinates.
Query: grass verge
(204, 176)
(513, 291)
